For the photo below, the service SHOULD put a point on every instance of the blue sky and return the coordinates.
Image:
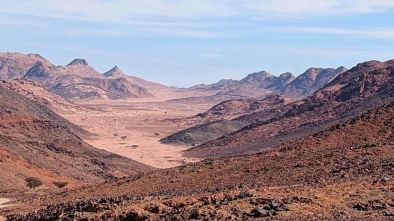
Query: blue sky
(186, 42)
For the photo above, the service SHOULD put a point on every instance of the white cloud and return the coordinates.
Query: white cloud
(307, 8)
(117, 10)
(182, 18)
(372, 32)
(121, 11)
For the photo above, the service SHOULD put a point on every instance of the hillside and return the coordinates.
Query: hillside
(42, 96)
(34, 141)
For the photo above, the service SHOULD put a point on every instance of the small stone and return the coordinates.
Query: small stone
(388, 213)
(360, 207)
(260, 212)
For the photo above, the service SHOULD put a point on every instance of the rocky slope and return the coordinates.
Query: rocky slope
(344, 172)
(42, 96)
(36, 143)
(234, 108)
(364, 86)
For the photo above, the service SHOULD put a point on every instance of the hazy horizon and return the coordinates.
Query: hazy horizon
(183, 43)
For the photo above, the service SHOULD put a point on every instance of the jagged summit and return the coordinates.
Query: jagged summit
(78, 61)
(115, 72)
(287, 75)
(341, 69)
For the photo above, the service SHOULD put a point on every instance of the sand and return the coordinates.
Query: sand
(134, 129)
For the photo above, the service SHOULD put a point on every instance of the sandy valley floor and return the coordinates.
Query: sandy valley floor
(133, 130)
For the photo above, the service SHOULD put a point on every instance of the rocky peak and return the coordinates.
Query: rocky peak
(114, 72)
(311, 73)
(257, 76)
(287, 77)
(341, 69)
(31, 55)
(78, 61)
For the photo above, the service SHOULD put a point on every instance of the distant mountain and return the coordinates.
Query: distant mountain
(281, 82)
(259, 84)
(216, 86)
(36, 142)
(78, 80)
(15, 65)
(310, 81)
(155, 89)
(256, 86)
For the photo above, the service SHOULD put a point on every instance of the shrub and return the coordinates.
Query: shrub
(60, 184)
(33, 182)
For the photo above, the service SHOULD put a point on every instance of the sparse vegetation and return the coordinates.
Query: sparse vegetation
(33, 182)
(61, 184)
(123, 137)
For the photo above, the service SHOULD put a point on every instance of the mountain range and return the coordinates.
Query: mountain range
(260, 84)
(79, 81)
